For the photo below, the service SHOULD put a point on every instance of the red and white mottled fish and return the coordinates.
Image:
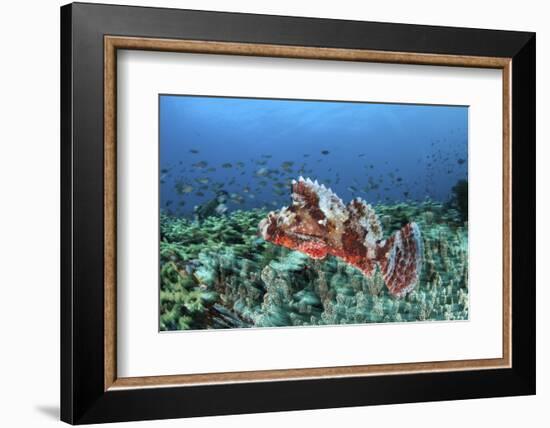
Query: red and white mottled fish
(318, 224)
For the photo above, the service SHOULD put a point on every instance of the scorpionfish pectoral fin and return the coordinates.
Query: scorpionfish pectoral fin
(401, 260)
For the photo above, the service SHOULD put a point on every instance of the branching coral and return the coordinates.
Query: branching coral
(220, 274)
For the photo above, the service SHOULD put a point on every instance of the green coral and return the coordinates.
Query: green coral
(221, 274)
(183, 303)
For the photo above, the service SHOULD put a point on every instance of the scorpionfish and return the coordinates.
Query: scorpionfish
(318, 223)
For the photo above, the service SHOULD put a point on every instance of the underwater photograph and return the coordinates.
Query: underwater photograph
(289, 212)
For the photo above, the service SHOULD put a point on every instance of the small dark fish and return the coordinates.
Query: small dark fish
(194, 151)
(182, 188)
(238, 199)
(200, 164)
(168, 203)
(461, 161)
(325, 152)
(262, 172)
(199, 194)
(399, 179)
(227, 165)
(164, 170)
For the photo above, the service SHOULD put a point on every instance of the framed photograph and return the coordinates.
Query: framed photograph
(265, 213)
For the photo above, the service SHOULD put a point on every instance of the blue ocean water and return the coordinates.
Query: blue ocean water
(250, 150)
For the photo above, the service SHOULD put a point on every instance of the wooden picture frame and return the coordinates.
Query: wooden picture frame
(91, 390)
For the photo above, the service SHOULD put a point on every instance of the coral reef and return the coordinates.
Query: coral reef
(222, 274)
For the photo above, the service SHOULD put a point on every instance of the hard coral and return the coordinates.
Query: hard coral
(251, 283)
